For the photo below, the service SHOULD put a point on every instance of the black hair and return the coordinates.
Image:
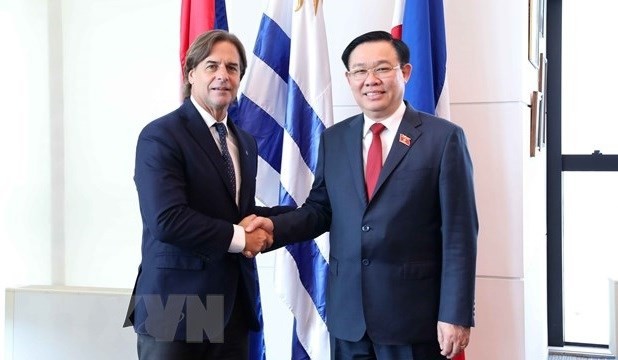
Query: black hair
(403, 52)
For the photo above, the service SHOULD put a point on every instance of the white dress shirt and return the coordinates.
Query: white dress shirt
(238, 239)
(387, 135)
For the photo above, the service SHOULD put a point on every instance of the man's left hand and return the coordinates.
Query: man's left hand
(452, 338)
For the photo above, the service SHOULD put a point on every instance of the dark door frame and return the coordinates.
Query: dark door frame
(557, 163)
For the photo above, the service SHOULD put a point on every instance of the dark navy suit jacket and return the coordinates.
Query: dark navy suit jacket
(407, 258)
(187, 212)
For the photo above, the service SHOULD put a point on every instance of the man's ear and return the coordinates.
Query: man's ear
(406, 70)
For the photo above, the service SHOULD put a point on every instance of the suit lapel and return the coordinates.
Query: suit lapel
(354, 145)
(201, 134)
(406, 136)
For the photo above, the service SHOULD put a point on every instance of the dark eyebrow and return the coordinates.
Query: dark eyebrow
(222, 63)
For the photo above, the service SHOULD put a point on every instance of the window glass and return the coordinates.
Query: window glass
(589, 76)
(590, 253)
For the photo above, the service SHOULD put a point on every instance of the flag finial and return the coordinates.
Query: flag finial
(315, 5)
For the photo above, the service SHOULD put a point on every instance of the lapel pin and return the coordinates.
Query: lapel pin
(404, 140)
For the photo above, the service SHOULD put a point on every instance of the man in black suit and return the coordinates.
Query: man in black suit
(394, 187)
(195, 176)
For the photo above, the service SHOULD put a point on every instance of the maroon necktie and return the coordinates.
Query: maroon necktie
(374, 159)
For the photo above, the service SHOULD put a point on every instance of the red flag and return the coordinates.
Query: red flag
(198, 16)
(397, 25)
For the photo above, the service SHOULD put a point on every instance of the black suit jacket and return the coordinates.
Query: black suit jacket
(407, 258)
(187, 213)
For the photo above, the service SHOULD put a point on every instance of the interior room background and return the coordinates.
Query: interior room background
(80, 78)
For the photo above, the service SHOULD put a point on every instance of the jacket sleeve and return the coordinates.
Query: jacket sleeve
(459, 232)
(164, 204)
(313, 218)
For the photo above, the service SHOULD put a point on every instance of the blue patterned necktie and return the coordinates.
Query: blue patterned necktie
(229, 165)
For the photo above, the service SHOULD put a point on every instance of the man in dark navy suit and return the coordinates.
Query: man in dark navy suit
(394, 187)
(195, 176)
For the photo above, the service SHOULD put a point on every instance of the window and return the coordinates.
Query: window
(582, 169)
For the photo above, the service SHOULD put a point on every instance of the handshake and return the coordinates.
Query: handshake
(258, 235)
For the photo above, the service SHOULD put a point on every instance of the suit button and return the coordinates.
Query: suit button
(365, 262)
(366, 228)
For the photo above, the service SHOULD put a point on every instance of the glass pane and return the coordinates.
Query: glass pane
(590, 253)
(589, 76)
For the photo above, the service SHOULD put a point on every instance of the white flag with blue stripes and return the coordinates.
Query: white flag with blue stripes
(286, 104)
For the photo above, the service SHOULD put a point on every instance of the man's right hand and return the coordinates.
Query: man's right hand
(256, 241)
(258, 235)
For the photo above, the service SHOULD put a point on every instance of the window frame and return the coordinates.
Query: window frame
(557, 163)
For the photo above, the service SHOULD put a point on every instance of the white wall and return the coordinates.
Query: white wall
(120, 72)
(491, 84)
(25, 184)
(86, 75)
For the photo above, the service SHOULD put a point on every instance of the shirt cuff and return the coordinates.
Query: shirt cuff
(238, 240)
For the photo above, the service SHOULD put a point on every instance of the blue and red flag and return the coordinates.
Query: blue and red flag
(420, 24)
(198, 16)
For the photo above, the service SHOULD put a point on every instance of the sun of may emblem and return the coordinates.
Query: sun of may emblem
(301, 3)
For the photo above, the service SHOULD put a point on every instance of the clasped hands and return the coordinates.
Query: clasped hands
(258, 234)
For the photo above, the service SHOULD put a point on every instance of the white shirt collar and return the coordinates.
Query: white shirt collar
(210, 121)
(391, 123)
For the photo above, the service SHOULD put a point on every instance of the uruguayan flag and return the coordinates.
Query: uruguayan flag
(286, 104)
